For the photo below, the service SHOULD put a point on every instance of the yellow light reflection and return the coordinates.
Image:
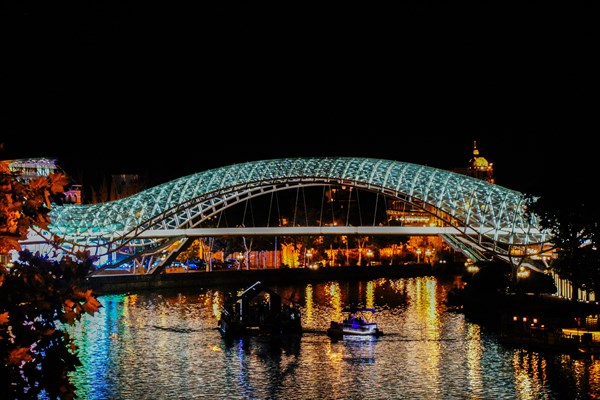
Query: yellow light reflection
(530, 372)
(398, 285)
(216, 305)
(593, 373)
(132, 299)
(370, 295)
(426, 304)
(474, 354)
(425, 324)
(309, 314)
(335, 299)
(334, 354)
(431, 307)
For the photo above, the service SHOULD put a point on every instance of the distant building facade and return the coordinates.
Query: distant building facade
(30, 168)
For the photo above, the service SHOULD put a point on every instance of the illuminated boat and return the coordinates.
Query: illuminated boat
(357, 322)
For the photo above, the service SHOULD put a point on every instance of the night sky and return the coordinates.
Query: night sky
(166, 91)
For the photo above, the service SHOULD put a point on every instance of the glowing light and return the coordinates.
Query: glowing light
(523, 272)
(473, 269)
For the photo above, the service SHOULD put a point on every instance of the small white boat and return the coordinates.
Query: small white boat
(357, 322)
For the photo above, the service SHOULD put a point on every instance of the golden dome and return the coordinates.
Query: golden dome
(480, 162)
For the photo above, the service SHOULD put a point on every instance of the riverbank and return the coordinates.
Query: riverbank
(534, 336)
(539, 322)
(123, 283)
(549, 323)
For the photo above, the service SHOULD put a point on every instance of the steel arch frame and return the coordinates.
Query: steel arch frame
(495, 212)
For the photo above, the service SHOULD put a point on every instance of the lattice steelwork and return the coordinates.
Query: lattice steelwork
(495, 213)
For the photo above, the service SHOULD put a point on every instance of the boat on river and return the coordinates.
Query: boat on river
(358, 321)
(259, 310)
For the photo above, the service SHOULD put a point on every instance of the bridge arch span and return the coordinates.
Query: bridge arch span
(497, 214)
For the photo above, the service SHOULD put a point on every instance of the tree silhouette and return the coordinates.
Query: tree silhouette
(574, 223)
(38, 296)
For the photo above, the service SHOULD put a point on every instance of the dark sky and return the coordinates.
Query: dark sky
(161, 90)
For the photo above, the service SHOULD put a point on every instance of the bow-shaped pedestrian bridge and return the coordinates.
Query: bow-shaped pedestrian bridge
(476, 217)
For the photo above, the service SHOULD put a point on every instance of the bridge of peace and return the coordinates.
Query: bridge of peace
(482, 220)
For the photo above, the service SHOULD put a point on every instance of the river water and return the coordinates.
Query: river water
(165, 345)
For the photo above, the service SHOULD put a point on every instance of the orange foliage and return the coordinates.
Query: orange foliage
(19, 355)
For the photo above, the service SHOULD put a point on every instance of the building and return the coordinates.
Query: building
(479, 167)
(30, 168)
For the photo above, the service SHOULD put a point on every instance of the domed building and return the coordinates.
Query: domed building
(479, 167)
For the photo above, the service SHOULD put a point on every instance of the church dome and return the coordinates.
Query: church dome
(480, 162)
(476, 161)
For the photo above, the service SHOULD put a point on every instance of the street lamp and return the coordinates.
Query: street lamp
(369, 256)
(240, 258)
(428, 255)
(523, 272)
(308, 255)
(418, 255)
(471, 267)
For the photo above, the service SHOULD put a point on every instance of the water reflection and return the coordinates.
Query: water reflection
(165, 345)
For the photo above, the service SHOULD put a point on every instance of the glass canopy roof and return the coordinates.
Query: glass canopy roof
(496, 213)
